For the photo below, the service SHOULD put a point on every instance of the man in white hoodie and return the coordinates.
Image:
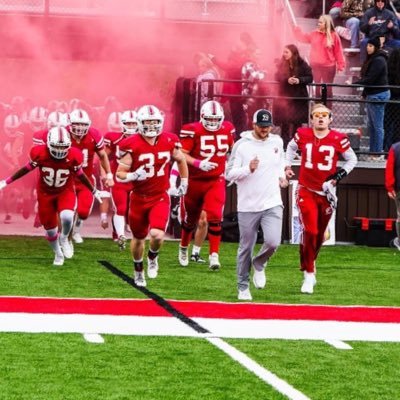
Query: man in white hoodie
(257, 166)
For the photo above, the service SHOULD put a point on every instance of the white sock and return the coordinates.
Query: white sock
(119, 224)
(196, 249)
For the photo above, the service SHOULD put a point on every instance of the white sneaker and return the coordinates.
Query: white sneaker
(183, 256)
(122, 242)
(308, 283)
(66, 247)
(214, 261)
(259, 279)
(245, 295)
(139, 278)
(58, 259)
(152, 268)
(77, 238)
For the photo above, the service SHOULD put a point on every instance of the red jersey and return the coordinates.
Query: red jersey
(89, 144)
(111, 141)
(319, 156)
(55, 175)
(156, 159)
(203, 144)
(40, 137)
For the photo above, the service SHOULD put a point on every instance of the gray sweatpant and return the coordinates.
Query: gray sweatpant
(271, 224)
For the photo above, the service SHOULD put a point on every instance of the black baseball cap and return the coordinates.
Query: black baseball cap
(262, 118)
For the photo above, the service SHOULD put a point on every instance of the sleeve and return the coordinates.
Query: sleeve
(78, 161)
(306, 74)
(341, 62)
(235, 170)
(350, 160)
(364, 26)
(390, 178)
(291, 152)
(98, 138)
(301, 36)
(374, 72)
(187, 137)
(34, 156)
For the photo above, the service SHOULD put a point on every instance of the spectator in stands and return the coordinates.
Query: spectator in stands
(257, 167)
(392, 110)
(207, 70)
(392, 184)
(334, 11)
(378, 21)
(233, 70)
(326, 53)
(293, 75)
(320, 148)
(374, 75)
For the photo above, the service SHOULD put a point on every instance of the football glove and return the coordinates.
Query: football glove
(3, 184)
(98, 195)
(337, 176)
(206, 165)
(183, 187)
(329, 191)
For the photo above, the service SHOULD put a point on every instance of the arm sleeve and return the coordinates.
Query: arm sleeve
(291, 151)
(350, 160)
(235, 171)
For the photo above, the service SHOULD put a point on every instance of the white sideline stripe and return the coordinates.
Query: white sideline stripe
(93, 338)
(338, 344)
(266, 376)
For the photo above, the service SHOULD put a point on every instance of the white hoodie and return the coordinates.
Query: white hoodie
(260, 190)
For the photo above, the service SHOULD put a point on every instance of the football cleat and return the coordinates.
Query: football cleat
(214, 262)
(259, 279)
(77, 238)
(183, 256)
(195, 257)
(58, 259)
(308, 283)
(139, 278)
(122, 242)
(66, 247)
(245, 295)
(152, 268)
(395, 243)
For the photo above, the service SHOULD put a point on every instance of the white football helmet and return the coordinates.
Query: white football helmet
(58, 142)
(114, 122)
(57, 118)
(212, 115)
(11, 124)
(129, 122)
(37, 118)
(79, 122)
(150, 121)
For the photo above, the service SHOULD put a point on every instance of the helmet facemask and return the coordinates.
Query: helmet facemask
(58, 142)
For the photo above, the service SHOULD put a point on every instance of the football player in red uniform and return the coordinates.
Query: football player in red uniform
(205, 145)
(121, 190)
(58, 163)
(320, 148)
(145, 161)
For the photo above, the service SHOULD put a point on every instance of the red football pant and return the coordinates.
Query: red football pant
(50, 206)
(315, 213)
(147, 213)
(210, 197)
(85, 199)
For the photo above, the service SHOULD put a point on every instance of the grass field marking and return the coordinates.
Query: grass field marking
(93, 338)
(155, 297)
(266, 376)
(338, 344)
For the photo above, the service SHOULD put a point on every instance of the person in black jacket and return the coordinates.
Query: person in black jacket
(293, 74)
(392, 110)
(374, 75)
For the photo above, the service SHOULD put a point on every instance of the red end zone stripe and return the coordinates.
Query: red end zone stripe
(197, 309)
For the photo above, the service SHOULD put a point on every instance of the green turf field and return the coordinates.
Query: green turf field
(65, 366)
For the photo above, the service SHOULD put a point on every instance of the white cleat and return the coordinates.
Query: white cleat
(308, 283)
(122, 242)
(66, 247)
(139, 278)
(152, 268)
(245, 295)
(77, 238)
(259, 279)
(214, 261)
(58, 259)
(183, 256)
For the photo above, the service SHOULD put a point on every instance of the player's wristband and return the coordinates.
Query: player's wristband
(109, 175)
(196, 163)
(337, 176)
(9, 180)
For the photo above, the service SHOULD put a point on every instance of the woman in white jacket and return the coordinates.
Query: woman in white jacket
(256, 165)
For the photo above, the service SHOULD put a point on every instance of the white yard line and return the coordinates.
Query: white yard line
(338, 344)
(266, 376)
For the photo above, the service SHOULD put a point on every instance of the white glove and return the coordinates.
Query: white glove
(206, 165)
(139, 175)
(98, 195)
(182, 188)
(173, 191)
(3, 184)
(329, 191)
